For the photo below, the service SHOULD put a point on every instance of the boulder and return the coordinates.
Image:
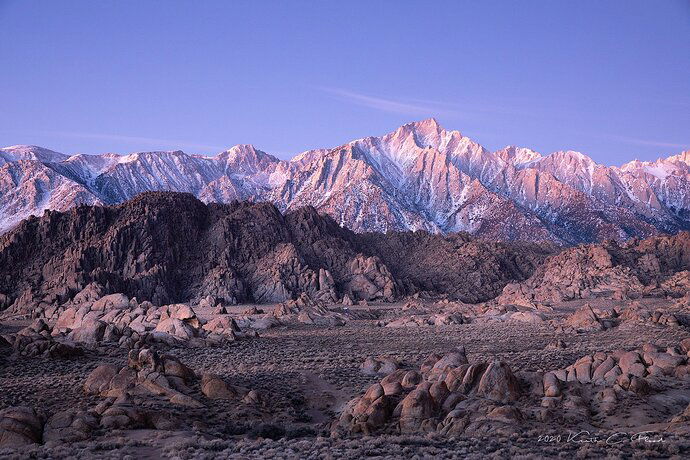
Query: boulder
(552, 386)
(110, 302)
(214, 387)
(176, 328)
(124, 416)
(223, 325)
(90, 332)
(583, 372)
(411, 379)
(99, 379)
(173, 367)
(447, 319)
(505, 414)
(379, 366)
(602, 369)
(498, 383)
(629, 359)
(70, 426)
(665, 361)
(183, 312)
(585, 319)
(252, 397)
(455, 376)
(20, 426)
(527, 317)
(639, 385)
(417, 406)
(452, 359)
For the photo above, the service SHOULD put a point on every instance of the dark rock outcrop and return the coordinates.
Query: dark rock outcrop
(169, 247)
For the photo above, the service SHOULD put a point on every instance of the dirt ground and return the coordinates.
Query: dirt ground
(306, 374)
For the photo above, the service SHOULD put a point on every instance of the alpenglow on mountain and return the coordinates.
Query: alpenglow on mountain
(419, 177)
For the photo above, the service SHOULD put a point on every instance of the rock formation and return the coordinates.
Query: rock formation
(62, 331)
(305, 310)
(131, 400)
(170, 248)
(653, 267)
(447, 394)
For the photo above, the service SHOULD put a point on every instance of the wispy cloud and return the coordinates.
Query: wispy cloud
(150, 141)
(636, 141)
(404, 107)
(422, 107)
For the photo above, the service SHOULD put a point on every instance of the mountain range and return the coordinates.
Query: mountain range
(418, 177)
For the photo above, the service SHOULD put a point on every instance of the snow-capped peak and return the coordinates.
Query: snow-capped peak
(31, 152)
(518, 156)
(683, 157)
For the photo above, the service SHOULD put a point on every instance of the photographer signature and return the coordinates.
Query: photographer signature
(587, 437)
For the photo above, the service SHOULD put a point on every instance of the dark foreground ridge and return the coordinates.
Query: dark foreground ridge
(170, 247)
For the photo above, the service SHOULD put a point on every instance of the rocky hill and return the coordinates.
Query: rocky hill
(658, 266)
(170, 247)
(420, 176)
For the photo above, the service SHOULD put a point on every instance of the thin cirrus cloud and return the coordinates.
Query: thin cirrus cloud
(636, 141)
(139, 140)
(421, 107)
(390, 105)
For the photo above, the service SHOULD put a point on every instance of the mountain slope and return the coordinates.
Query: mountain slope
(418, 177)
(30, 187)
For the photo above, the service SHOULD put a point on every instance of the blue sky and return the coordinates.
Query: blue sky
(608, 78)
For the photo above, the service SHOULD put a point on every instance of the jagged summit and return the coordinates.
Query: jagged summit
(417, 177)
(429, 126)
(241, 150)
(517, 155)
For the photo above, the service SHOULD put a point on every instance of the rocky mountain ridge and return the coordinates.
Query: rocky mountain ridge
(421, 176)
(168, 247)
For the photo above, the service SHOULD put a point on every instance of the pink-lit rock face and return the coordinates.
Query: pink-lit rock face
(421, 176)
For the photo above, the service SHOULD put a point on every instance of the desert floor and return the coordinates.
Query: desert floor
(305, 375)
